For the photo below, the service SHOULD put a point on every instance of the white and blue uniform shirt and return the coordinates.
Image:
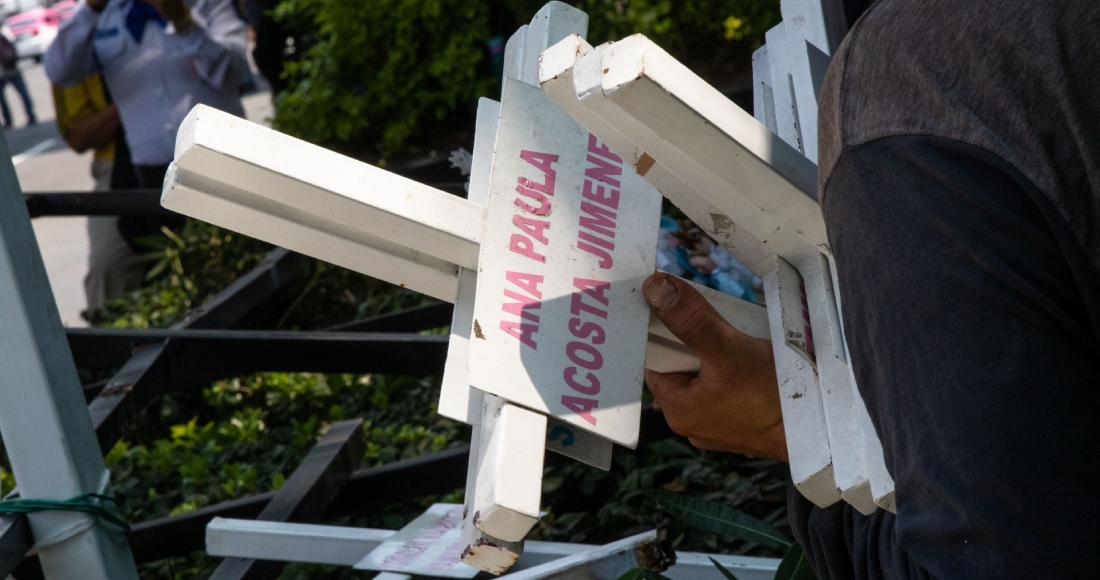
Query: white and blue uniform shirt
(156, 75)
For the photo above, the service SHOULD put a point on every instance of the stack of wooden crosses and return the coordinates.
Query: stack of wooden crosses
(545, 259)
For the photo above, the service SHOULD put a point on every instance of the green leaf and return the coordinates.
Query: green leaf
(719, 519)
(642, 574)
(794, 565)
(722, 569)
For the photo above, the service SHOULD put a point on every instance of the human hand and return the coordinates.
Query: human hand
(733, 403)
(175, 11)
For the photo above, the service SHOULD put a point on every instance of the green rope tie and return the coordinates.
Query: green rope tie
(88, 503)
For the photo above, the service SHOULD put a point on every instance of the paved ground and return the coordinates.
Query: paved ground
(45, 163)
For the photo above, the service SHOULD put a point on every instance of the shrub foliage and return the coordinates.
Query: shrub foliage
(376, 77)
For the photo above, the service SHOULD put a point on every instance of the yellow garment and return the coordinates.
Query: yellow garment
(80, 101)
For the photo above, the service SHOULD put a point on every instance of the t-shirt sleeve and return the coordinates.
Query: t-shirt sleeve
(967, 314)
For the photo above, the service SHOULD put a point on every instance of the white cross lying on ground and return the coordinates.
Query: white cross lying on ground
(545, 260)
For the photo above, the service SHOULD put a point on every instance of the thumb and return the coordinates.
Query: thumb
(688, 315)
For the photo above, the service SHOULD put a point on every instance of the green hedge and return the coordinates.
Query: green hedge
(379, 74)
(380, 77)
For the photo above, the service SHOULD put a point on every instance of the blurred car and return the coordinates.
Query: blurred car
(34, 30)
(12, 7)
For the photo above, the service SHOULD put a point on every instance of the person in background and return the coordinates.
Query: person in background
(271, 42)
(10, 73)
(87, 119)
(159, 59)
(959, 177)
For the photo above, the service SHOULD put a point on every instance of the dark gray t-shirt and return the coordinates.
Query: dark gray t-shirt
(960, 180)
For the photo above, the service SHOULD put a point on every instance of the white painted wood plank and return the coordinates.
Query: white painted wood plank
(561, 279)
(44, 421)
(874, 462)
(882, 484)
(457, 400)
(427, 546)
(819, 67)
(315, 184)
(803, 93)
(515, 53)
(584, 446)
(808, 47)
(508, 492)
(553, 22)
(729, 157)
(636, 58)
(845, 438)
(821, 22)
(787, 125)
(572, 67)
(608, 562)
(287, 542)
(478, 549)
(359, 252)
(763, 107)
(803, 417)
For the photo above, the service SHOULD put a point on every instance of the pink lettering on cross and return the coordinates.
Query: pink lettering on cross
(582, 406)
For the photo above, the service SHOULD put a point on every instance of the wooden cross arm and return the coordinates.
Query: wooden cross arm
(244, 177)
(366, 254)
(560, 64)
(252, 179)
(713, 147)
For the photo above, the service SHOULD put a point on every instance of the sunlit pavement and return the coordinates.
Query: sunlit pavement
(45, 163)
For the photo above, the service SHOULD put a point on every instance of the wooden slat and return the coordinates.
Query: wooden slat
(728, 157)
(799, 392)
(276, 188)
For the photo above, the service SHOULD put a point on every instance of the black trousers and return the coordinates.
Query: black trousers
(134, 228)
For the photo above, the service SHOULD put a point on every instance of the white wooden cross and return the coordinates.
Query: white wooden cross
(545, 260)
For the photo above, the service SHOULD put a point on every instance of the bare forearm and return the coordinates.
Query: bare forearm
(94, 131)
